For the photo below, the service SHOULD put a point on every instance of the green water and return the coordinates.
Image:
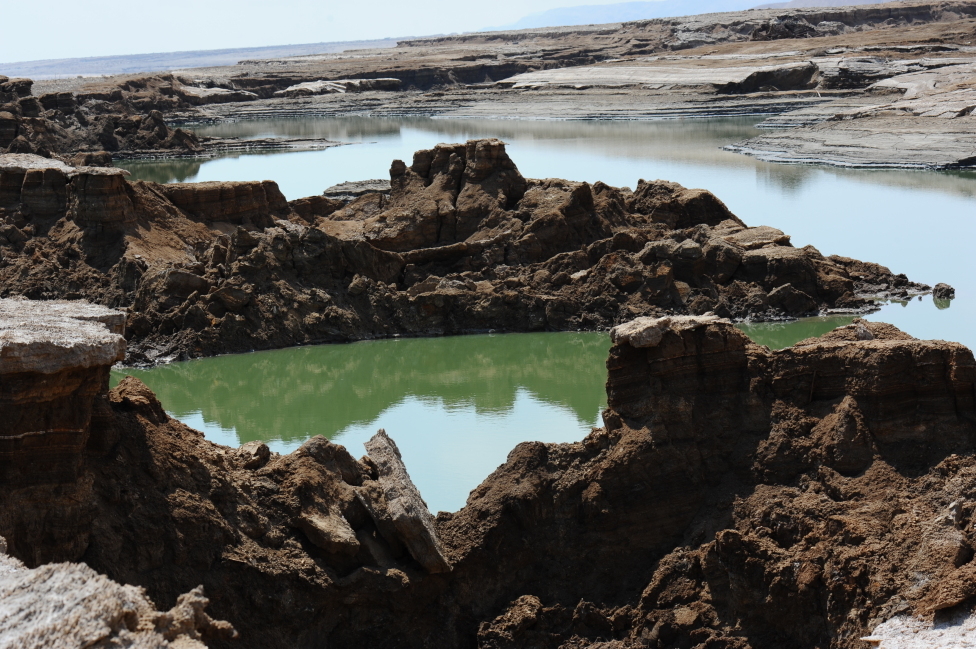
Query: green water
(456, 406)
(777, 335)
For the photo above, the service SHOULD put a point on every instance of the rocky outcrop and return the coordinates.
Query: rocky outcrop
(54, 359)
(780, 481)
(462, 243)
(736, 497)
(70, 605)
(37, 189)
(943, 292)
(230, 202)
(66, 124)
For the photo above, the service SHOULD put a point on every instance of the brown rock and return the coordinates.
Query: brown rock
(231, 202)
(399, 264)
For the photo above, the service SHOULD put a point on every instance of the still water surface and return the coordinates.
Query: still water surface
(456, 406)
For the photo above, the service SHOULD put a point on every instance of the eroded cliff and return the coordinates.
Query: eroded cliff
(737, 497)
(462, 243)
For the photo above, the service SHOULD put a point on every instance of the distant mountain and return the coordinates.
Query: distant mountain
(625, 11)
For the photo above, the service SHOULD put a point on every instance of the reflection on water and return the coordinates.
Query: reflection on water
(777, 335)
(456, 406)
(163, 171)
(915, 222)
(695, 141)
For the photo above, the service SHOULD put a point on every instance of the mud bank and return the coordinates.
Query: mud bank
(736, 497)
(462, 243)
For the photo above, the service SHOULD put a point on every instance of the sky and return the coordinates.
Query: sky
(73, 28)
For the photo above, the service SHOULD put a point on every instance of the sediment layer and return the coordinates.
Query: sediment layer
(461, 243)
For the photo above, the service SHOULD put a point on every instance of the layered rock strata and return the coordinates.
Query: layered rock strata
(54, 360)
(737, 497)
(461, 243)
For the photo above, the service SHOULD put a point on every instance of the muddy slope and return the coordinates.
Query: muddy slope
(737, 497)
(462, 243)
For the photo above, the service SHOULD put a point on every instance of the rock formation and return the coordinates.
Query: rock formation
(943, 292)
(70, 605)
(461, 243)
(55, 359)
(86, 127)
(737, 497)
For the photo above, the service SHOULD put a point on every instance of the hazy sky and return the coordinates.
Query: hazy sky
(71, 28)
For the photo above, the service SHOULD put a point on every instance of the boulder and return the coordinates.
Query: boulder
(404, 509)
(792, 301)
(678, 207)
(759, 237)
(943, 292)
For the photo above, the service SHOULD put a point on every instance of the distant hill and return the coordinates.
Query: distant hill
(625, 11)
(164, 61)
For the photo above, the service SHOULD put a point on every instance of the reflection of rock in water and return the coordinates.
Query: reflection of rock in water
(342, 128)
(290, 393)
(169, 171)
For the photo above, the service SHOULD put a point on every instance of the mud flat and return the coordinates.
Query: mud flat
(818, 492)
(462, 243)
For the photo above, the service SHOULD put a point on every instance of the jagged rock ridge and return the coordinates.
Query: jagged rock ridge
(462, 243)
(88, 128)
